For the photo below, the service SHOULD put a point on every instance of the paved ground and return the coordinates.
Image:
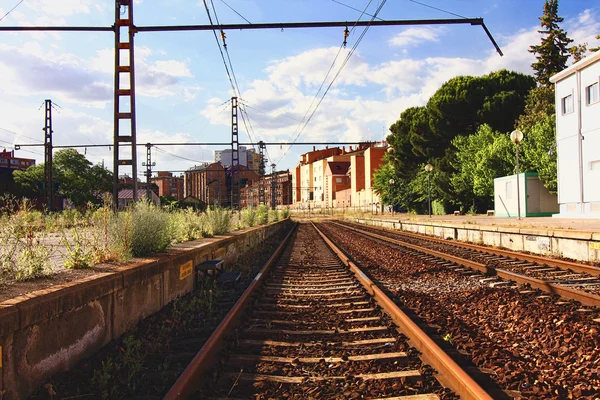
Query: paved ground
(592, 224)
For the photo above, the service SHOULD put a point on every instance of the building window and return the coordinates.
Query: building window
(508, 190)
(338, 180)
(567, 104)
(591, 94)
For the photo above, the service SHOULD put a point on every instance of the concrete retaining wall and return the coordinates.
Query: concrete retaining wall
(50, 331)
(577, 245)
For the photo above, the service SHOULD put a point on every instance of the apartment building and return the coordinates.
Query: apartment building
(577, 91)
(278, 191)
(336, 177)
(207, 183)
(169, 185)
(8, 160)
(247, 157)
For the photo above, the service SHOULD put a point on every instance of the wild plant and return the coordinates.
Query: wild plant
(285, 213)
(79, 252)
(262, 214)
(248, 217)
(103, 380)
(218, 221)
(273, 215)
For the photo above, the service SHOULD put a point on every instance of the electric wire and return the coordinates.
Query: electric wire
(355, 9)
(438, 9)
(176, 155)
(348, 56)
(232, 9)
(11, 10)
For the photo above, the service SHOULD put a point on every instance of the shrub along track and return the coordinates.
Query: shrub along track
(534, 345)
(147, 361)
(312, 331)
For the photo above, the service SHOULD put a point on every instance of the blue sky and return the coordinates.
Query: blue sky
(181, 80)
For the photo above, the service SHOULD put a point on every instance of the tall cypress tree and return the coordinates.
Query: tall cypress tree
(552, 54)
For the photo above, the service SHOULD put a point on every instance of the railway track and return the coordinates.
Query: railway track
(532, 344)
(568, 279)
(315, 326)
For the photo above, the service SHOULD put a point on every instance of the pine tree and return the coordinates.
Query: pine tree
(552, 54)
(596, 48)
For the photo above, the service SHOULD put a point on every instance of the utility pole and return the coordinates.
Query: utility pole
(148, 164)
(48, 155)
(235, 158)
(273, 186)
(261, 173)
(124, 96)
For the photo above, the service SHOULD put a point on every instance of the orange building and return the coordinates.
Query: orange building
(278, 184)
(169, 185)
(8, 160)
(207, 183)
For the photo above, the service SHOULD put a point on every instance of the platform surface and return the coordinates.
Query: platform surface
(549, 223)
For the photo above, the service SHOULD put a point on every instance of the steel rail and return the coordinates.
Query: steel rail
(586, 298)
(562, 264)
(189, 380)
(456, 378)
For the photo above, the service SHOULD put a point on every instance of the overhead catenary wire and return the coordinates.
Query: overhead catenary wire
(11, 10)
(232, 9)
(348, 56)
(356, 9)
(175, 155)
(438, 9)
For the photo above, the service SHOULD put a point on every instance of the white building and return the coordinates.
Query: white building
(578, 138)
(225, 156)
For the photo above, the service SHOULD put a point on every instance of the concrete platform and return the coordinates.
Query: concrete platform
(576, 239)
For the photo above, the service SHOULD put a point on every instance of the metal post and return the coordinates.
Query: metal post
(261, 173)
(429, 191)
(124, 19)
(518, 194)
(48, 155)
(148, 164)
(235, 158)
(219, 182)
(273, 187)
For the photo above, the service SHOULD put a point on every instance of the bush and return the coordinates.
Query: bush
(273, 215)
(186, 225)
(218, 221)
(248, 217)
(285, 213)
(262, 214)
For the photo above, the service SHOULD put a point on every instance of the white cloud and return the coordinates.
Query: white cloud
(63, 8)
(416, 35)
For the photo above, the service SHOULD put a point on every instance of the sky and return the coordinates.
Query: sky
(183, 89)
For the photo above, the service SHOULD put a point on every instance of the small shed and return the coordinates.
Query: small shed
(535, 199)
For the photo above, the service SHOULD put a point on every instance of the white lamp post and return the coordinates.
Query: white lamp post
(517, 136)
(428, 169)
(392, 193)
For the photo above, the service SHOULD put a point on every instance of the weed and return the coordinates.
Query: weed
(285, 213)
(249, 217)
(218, 221)
(448, 338)
(262, 214)
(79, 252)
(103, 379)
(273, 215)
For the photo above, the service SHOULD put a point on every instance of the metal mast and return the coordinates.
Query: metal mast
(261, 173)
(273, 186)
(48, 155)
(235, 157)
(124, 115)
(148, 164)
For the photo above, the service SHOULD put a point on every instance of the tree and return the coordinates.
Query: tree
(596, 48)
(553, 52)
(539, 104)
(75, 177)
(481, 157)
(539, 151)
(578, 51)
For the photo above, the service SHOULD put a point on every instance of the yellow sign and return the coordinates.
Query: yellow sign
(186, 270)
(595, 245)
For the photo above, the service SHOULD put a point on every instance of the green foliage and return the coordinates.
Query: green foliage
(480, 158)
(218, 221)
(186, 224)
(438, 208)
(538, 105)
(33, 263)
(262, 214)
(273, 215)
(539, 151)
(285, 213)
(552, 53)
(248, 217)
(76, 178)
(80, 253)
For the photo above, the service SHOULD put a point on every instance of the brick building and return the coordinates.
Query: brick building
(169, 185)
(278, 191)
(207, 183)
(8, 164)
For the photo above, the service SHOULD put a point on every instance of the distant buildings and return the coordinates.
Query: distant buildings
(169, 185)
(277, 191)
(338, 178)
(247, 157)
(578, 138)
(8, 164)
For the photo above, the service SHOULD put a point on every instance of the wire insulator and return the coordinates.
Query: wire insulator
(223, 37)
(346, 34)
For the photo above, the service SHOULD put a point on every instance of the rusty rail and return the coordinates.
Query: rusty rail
(586, 298)
(553, 262)
(189, 380)
(456, 378)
